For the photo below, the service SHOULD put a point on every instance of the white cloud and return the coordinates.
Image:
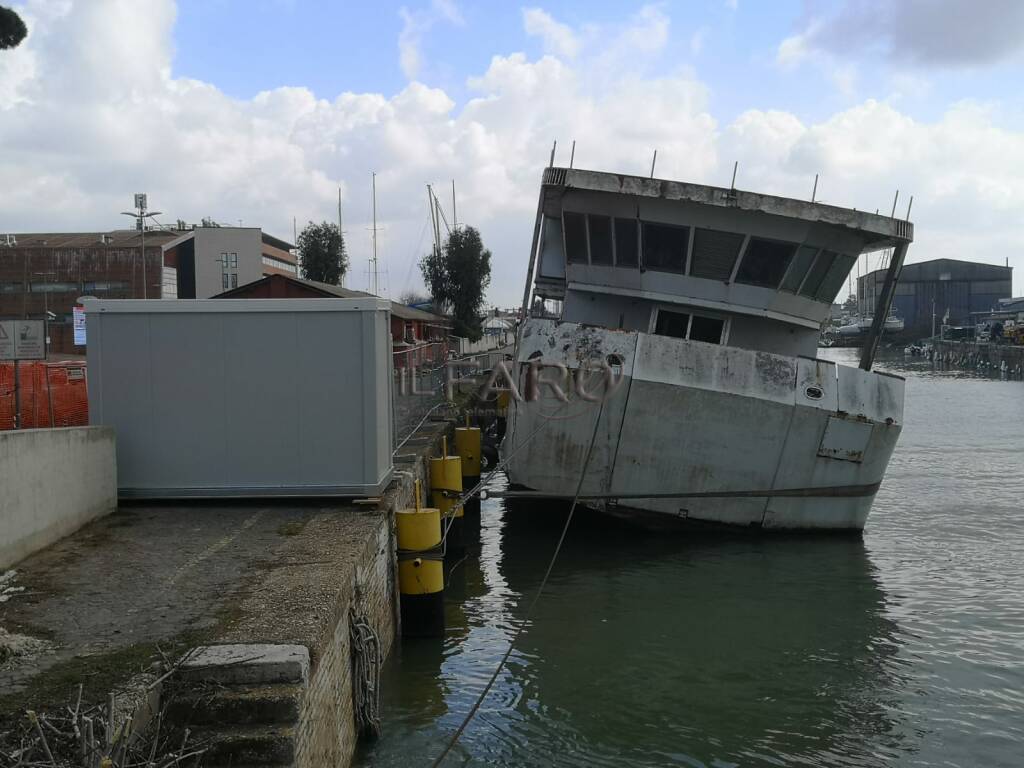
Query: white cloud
(950, 33)
(697, 40)
(415, 25)
(101, 116)
(558, 38)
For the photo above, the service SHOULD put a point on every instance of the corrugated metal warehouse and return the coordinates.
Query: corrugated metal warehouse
(959, 287)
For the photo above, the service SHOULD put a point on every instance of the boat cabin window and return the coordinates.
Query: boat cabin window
(664, 247)
(714, 253)
(575, 228)
(707, 329)
(765, 262)
(675, 324)
(798, 269)
(682, 325)
(627, 246)
(817, 275)
(600, 228)
(834, 278)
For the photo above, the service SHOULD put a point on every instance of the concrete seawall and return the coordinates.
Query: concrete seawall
(267, 579)
(52, 482)
(970, 354)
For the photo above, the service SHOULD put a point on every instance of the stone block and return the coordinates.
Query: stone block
(247, 664)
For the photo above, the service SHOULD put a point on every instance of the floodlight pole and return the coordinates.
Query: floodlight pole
(140, 215)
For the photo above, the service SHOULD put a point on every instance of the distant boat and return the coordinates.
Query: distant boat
(697, 310)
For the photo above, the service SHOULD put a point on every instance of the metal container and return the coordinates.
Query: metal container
(243, 397)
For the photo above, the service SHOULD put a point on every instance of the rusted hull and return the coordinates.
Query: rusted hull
(691, 418)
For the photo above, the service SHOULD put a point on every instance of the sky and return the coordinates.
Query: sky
(260, 110)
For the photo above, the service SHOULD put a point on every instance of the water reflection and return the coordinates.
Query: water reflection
(661, 650)
(653, 650)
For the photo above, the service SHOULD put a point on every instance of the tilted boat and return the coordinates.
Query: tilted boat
(666, 367)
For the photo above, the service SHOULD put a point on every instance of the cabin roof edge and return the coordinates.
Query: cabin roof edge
(884, 227)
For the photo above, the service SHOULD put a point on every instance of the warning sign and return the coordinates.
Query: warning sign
(6, 339)
(22, 340)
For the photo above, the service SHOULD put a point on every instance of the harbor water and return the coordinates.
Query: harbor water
(904, 647)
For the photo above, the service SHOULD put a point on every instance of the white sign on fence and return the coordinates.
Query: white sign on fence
(22, 340)
(78, 319)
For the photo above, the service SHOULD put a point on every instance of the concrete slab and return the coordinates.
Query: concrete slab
(247, 664)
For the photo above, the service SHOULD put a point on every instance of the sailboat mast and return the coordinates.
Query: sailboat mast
(341, 231)
(373, 261)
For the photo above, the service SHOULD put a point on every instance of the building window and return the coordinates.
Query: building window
(626, 245)
(224, 281)
(575, 228)
(11, 287)
(714, 253)
(765, 262)
(682, 325)
(234, 279)
(664, 247)
(284, 266)
(234, 261)
(600, 239)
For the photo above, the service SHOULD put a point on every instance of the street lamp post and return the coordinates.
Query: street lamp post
(140, 214)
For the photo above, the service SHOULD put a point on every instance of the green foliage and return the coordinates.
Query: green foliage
(12, 28)
(457, 277)
(322, 253)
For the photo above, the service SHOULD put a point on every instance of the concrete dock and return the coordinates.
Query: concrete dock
(151, 582)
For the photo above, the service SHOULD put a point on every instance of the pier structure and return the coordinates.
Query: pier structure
(242, 621)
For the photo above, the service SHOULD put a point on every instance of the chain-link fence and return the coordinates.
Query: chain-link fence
(418, 386)
(47, 395)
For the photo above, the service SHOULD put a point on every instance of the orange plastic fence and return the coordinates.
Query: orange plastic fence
(59, 387)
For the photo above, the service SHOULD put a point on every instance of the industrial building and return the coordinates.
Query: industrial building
(209, 260)
(948, 289)
(48, 272)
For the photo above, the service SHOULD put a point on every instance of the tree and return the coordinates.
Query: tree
(12, 28)
(322, 253)
(457, 277)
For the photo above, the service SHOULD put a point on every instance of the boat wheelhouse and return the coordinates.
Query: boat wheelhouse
(708, 304)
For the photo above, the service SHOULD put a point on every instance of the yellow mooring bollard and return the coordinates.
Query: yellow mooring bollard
(445, 489)
(468, 445)
(420, 570)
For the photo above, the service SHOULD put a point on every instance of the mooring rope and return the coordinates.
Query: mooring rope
(529, 611)
(366, 663)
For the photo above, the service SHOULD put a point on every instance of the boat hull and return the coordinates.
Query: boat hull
(709, 431)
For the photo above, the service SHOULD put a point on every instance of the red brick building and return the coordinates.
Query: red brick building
(48, 272)
(419, 338)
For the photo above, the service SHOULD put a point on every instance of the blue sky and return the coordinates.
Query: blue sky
(332, 47)
(261, 110)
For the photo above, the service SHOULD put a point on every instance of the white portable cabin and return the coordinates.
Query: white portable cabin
(244, 397)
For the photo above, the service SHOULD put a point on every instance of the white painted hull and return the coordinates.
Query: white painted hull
(692, 418)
